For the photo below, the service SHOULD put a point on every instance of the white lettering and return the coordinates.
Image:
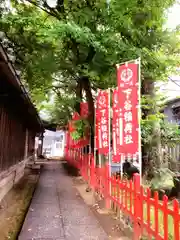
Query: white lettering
(103, 111)
(126, 75)
(128, 92)
(103, 120)
(104, 136)
(128, 116)
(102, 100)
(104, 128)
(128, 139)
(127, 105)
(128, 128)
(105, 144)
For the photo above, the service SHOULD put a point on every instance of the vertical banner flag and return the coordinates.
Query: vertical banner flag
(103, 118)
(71, 129)
(85, 140)
(84, 109)
(127, 77)
(96, 139)
(75, 116)
(116, 127)
(66, 140)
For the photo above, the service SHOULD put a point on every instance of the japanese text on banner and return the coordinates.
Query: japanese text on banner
(127, 76)
(116, 127)
(84, 109)
(96, 137)
(103, 119)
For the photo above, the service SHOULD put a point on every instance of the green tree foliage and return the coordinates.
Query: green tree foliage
(73, 47)
(80, 129)
(62, 108)
(86, 38)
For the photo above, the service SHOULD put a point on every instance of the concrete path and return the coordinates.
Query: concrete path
(57, 212)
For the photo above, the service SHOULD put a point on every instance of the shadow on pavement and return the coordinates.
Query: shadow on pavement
(70, 169)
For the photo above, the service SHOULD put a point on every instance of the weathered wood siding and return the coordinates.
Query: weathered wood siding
(12, 139)
(31, 142)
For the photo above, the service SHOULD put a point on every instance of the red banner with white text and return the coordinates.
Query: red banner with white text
(84, 109)
(127, 77)
(103, 118)
(83, 141)
(115, 128)
(96, 139)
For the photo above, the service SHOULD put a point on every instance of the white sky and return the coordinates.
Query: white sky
(171, 89)
(174, 16)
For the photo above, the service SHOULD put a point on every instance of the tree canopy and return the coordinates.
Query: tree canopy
(70, 49)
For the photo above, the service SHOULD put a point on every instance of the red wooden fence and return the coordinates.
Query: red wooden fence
(147, 216)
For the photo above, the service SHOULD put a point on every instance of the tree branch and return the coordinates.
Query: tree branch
(53, 14)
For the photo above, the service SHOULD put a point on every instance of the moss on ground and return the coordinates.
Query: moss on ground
(14, 207)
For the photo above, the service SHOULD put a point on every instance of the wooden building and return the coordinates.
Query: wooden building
(172, 111)
(53, 144)
(19, 124)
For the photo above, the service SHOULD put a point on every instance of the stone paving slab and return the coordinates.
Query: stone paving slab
(45, 227)
(57, 212)
(42, 198)
(43, 210)
(47, 239)
(84, 232)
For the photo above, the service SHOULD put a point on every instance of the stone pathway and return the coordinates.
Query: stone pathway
(57, 212)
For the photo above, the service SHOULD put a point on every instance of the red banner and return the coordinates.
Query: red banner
(103, 118)
(84, 109)
(67, 140)
(71, 129)
(96, 128)
(127, 76)
(115, 128)
(75, 116)
(81, 142)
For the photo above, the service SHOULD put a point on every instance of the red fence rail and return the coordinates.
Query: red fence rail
(148, 217)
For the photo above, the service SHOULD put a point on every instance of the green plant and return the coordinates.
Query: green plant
(163, 179)
(80, 129)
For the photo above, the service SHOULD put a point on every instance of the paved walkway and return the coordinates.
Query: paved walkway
(56, 212)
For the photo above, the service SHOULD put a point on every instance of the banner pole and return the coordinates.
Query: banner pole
(139, 117)
(130, 61)
(99, 143)
(89, 159)
(95, 137)
(110, 155)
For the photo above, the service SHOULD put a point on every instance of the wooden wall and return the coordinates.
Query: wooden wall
(13, 139)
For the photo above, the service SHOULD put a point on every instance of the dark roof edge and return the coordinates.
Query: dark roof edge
(20, 85)
(50, 126)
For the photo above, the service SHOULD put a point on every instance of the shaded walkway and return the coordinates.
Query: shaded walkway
(57, 212)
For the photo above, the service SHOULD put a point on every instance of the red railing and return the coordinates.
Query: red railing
(147, 216)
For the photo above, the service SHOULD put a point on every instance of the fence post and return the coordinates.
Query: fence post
(92, 172)
(176, 218)
(107, 186)
(137, 207)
